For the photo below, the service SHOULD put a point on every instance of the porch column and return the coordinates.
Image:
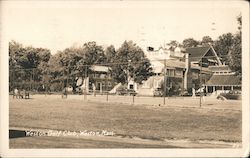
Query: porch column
(213, 88)
(232, 88)
(207, 89)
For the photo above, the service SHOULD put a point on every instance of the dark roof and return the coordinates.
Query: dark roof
(223, 80)
(195, 53)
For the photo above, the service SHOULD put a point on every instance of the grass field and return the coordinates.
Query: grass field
(126, 120)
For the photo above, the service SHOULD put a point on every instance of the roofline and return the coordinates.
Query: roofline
(214, 52)
(206, 52)
(222, 85)
(216, 55)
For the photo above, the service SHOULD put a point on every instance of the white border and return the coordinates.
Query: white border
(6, 152)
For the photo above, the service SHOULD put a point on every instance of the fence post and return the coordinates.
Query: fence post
(164, 95)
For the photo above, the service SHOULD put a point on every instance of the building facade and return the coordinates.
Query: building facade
(182, 70)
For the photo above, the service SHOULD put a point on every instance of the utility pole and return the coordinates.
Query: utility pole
(67, 84)
(85, 84)
(128, 76)
(200, 82)
(13, 82)
(33, 80)
(31, 73)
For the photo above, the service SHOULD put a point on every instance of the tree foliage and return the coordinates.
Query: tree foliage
(173, 44)
(223, 44)
(111, 54)
(26, 57)
(133, 63)
(190, 42)
(207, 41)
(27, 62)
(74, 61)
(235, 54)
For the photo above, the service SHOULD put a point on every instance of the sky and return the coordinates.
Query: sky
(57, 25)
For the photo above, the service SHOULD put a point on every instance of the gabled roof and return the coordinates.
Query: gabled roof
(195, 53)
(224, 80)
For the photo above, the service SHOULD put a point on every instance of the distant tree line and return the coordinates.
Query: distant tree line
(65, 66)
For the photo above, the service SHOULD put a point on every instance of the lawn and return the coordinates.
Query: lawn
(126, 120)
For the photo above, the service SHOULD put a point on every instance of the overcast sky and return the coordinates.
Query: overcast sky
(57, 25)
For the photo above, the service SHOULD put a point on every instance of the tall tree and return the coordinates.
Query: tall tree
(173, 44)
(16, 51)
(94, 53)
(235, 54)
(223, 44)
(74, 61)
(22, 61)
(133, 63)
(190, 42)
(206, 41)
(110, 54)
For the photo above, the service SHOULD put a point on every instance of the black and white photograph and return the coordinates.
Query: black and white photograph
(124, 78)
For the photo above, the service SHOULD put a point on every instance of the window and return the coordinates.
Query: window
(178, 73)
(131, 86)
(96, 75)
(170, 72)
(102, 75)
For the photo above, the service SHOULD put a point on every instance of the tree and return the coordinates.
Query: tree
(239, 20)
(173, 44)
(16, 50)
(25, 61)
(223, 44)
(132, 63)
(190, 42)
(235, 54)
(110, 54)
(94, 53)
(72, 62)
(206, 41)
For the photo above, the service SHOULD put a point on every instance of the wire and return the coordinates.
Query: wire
(127, 62)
